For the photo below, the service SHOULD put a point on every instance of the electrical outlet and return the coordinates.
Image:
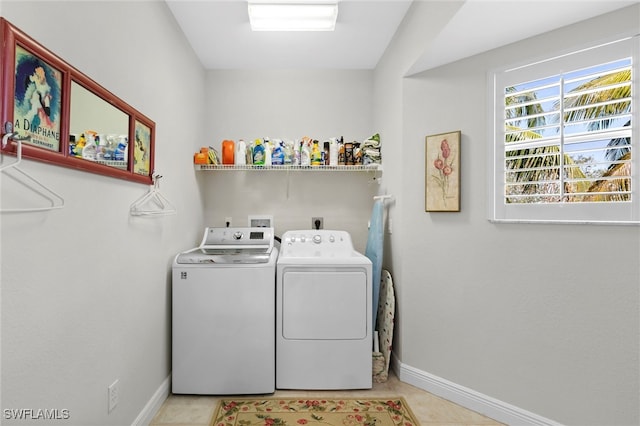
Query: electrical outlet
(227, 221)
(114, 394)
(261, 221)
(317, 223)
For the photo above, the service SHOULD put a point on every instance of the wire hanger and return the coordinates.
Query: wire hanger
(153, 203)
(24, 178)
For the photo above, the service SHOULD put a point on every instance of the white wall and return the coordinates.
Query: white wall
(543, 317)
(86, 289)
(389, 116)
(290, 104)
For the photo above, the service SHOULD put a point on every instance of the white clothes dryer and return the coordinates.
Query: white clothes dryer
(323, 312)
(223, 329)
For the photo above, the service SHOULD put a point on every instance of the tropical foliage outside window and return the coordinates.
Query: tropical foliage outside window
(568, 137)
(564, 132)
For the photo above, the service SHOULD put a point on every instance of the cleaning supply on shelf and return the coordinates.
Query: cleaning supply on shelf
(325, 153)
(305, 152)
(316, 154)
(277, 157)
(248, 155)
(212, 154)
(90, 149)
(258, 153)
(80, 144)
(288, 153)
(228, 152)
(101, 147)
(122, 149)
(267, 152)
(357, 154)
(240, 158)
(72, 143)
(349, 159)
(341, 156)
(206, 156)
(112, 144)
(333, 151)
(296, 153)
(200, 158)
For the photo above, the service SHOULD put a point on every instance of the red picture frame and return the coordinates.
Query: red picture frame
(36, 100)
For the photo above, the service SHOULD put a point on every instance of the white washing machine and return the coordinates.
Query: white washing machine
(223, 327)
(323, 312)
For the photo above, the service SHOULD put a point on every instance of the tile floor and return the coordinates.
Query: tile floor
(429, 409)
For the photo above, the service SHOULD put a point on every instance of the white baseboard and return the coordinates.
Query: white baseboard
(468, 398)
(154, 404)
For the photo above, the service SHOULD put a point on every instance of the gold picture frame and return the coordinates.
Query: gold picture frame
(442, 172)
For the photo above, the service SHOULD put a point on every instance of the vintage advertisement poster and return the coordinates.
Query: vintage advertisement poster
(37, 100)
(142, 146)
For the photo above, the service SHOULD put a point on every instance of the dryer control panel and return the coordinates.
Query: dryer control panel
(316, 243)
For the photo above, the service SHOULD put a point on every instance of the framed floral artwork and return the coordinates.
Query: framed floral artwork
(442, 172)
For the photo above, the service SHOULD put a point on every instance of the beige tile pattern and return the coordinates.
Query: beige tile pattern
(191, 410)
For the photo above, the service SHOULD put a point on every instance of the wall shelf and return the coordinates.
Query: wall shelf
(367, 168)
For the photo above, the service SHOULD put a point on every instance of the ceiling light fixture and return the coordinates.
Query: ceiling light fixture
(293, 16)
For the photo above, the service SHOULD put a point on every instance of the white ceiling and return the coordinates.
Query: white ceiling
(219, 32)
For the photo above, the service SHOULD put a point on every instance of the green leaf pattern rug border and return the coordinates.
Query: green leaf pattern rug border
(305, 411)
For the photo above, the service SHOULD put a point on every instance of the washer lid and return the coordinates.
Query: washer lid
(207, 256)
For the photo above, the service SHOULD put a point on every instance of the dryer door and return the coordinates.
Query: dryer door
(324, 304)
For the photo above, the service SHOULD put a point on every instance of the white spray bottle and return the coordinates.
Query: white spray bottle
(241, 155)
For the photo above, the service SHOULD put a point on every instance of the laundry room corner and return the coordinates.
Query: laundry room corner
(337, 103)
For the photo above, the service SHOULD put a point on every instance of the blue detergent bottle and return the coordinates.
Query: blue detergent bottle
(120, 153)
(277, 157)
(258, 153)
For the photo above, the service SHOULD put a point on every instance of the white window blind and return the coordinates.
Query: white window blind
(564, 133)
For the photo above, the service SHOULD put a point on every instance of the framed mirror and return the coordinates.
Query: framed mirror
(70, 119)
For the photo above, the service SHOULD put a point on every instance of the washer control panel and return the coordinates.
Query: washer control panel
(316, 243)
(238, 238)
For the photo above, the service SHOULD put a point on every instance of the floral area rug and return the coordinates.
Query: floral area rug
(304, 411)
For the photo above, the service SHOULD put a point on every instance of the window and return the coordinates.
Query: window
(564, 132)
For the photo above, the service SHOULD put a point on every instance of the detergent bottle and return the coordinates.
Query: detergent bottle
(288, 153)
(305, 154)
(241, 156)
(228, 152)
(112, 144)
(277, 157)
(101, 145)
(333, 152)
(258, 153)
(120, 154)
(80, 144)
(267, 153)
(90, 149)
(72, 144)
(316, 155)
(296, 153)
